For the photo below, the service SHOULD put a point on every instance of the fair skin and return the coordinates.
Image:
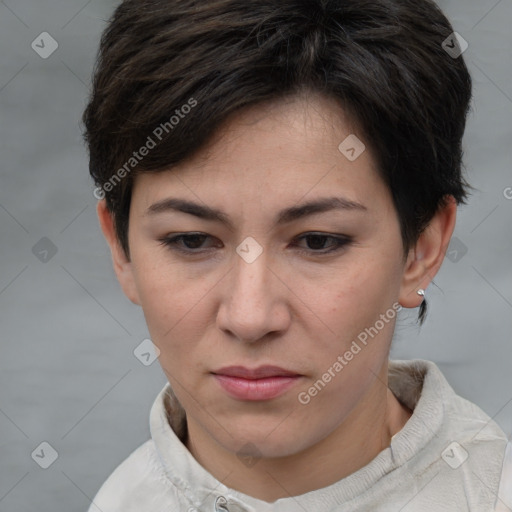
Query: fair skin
(296, 306)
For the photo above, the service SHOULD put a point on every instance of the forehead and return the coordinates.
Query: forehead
(293, 127)
(285, 150)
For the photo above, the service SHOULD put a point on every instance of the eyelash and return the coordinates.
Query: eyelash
(340, 242)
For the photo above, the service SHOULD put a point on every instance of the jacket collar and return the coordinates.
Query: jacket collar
(415, 383)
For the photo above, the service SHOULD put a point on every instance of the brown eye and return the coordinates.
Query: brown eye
(317, 242)
(193, 241)
(189, 243)
(322, 243)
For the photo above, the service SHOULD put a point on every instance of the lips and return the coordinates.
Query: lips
(262, 383)
(257, 373)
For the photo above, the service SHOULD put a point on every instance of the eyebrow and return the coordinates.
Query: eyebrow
(284, 216)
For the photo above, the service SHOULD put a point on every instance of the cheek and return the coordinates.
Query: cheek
(348, 356)
(349, 304)
(350, 298)
(174, 304)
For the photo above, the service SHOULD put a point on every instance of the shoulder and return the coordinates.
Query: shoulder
(136, 483)
(461, 447)
(504, 503)
(421, 385)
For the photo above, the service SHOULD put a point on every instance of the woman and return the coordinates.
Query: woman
(277, 180)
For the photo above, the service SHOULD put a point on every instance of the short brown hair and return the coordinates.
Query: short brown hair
(383, 60)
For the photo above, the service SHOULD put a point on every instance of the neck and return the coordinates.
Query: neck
(353, 444)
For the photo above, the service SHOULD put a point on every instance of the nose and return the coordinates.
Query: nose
(254, 303)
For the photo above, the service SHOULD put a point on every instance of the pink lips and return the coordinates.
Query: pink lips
(262, 383)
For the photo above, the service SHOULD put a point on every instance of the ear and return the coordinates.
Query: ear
(425, 258)
(122, 265)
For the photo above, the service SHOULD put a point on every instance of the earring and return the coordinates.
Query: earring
(421, 292)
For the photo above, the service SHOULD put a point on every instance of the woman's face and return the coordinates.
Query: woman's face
(266, 280)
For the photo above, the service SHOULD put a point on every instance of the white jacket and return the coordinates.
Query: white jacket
(450, 456)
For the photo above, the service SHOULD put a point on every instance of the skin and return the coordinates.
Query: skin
(292, 307)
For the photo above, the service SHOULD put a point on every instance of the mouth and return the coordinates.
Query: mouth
(262, 383)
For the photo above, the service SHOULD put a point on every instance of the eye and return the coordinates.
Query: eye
(189, 243)
(197, 243)
(322, 243)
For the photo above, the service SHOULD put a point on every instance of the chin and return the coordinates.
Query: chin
(265, 442)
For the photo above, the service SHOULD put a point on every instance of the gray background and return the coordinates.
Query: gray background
(68, 375)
